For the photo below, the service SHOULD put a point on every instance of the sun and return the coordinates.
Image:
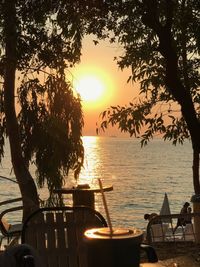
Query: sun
(94, 85)
(90, 88)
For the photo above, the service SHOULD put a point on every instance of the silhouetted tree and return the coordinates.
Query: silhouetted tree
(38, 110)
(161, 44)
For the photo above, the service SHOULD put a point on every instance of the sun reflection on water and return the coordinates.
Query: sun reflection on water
(89, 172)
(93, 167)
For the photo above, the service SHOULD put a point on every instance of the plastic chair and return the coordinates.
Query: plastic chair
(9, 231)
(57, 234)
(159, 231)
(189, 234)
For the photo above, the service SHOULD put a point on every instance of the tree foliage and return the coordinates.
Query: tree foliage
(161, 44)
(51, 125)
(140, 28)
(49, 115)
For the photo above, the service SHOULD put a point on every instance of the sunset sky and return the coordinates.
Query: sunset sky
(100, 83)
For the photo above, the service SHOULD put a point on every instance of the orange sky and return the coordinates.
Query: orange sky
(98, 61)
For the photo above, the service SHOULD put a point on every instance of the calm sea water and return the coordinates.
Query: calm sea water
(140, 177)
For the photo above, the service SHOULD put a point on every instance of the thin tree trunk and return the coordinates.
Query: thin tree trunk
(195, 168)
(25, 181)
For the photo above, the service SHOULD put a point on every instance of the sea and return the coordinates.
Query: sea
(140, 177)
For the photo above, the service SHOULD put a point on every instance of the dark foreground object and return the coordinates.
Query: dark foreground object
(118, 250)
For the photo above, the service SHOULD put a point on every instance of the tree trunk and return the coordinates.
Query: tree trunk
(173, 82)
(26, 183)
(183, 97)
(195, 168)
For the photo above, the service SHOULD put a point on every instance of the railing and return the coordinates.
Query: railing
(162, 228)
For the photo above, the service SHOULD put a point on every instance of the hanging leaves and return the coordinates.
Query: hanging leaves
(51, 124)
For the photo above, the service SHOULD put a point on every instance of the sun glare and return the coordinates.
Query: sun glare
(90, 88)
(94, 86)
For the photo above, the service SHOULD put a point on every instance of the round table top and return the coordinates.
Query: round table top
(156, 264)
(118, 233)
(81, 188)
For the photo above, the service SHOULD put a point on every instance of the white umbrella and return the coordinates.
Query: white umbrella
(165, 209)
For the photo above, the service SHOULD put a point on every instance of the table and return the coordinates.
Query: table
(156, 264)
(83, 194)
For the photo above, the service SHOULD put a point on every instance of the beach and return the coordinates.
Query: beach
(177, 255)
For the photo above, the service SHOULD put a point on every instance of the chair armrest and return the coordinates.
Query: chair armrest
(10, 210)
(10, 201)
(4, 226)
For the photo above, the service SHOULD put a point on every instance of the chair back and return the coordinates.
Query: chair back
(9, 231)
(4, 226)
(57, 234)
(158, 232)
